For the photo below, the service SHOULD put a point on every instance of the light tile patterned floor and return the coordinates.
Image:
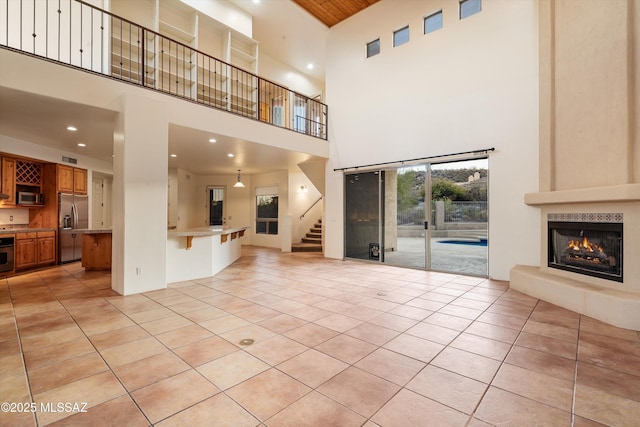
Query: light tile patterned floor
(336, 343)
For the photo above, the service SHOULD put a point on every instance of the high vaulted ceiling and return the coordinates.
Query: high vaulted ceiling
(332, 12)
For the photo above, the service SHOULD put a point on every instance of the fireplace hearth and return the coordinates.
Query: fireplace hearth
(590, 248)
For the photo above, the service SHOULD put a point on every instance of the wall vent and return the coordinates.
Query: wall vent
(70, 160)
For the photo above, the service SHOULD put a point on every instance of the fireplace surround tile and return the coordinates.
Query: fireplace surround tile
(613, 301)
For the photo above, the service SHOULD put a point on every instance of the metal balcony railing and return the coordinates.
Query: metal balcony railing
(80, 35)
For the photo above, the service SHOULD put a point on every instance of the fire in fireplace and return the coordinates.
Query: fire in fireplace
(590, 248)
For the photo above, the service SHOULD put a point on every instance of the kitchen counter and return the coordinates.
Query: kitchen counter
(15, 230)
(205, 231)
(200, 252)
(24, 230)
(223, 232)
(86, 230)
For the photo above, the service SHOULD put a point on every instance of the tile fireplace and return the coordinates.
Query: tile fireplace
(589, 252)
(590, 244)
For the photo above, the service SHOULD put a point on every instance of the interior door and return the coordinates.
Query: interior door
(216, 206)
(97, 205)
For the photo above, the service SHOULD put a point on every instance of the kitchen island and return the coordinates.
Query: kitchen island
(96, 249)
(200, 252)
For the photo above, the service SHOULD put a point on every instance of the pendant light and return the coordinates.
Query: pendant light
(238, 184)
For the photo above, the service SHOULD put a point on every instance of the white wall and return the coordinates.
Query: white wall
(140, 195)
(281, 180)
(471, 85)
(238, 204)
(226, 13)
(188, 201)
(299, 202)
(53, 155)
(278, 72)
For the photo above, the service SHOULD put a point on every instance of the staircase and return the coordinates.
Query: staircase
(312, 242)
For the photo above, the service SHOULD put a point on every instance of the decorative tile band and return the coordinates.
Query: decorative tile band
(585, 217)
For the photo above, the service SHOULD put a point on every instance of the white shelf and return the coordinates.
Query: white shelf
(174, 32)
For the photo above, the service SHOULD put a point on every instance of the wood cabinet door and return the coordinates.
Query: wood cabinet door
(96, 251)
(79, 181)
(46, 250)
(8, 183)
(65, 179)
(25, 255)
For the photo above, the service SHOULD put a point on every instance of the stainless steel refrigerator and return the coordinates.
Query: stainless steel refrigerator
(73, 211)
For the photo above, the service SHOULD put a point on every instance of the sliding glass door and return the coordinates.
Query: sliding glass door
(363, 238)
(430, 216)
(406, 212)
(460, 217)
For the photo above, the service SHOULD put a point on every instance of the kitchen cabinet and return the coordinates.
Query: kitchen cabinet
(8, 181)
(65, 179)
(71, 180)
(26, 250)
(46, 247)
(33, 249)
(79, 181)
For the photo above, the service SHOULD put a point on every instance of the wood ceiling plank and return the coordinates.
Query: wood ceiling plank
(332, 12)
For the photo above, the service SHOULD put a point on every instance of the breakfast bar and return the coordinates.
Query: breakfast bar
(200, 252)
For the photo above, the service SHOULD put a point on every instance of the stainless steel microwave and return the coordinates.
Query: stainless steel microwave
(26, 198)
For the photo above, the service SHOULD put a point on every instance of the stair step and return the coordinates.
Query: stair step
(311, 240)
(306, 247)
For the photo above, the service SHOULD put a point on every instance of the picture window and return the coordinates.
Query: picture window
(469, 7)
(401, 36)
(373, 48)
(267, 214)
(433, 22)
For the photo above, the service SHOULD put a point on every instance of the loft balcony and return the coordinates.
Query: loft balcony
(80, 35)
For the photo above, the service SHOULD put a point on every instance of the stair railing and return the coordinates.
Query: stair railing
(311, 207)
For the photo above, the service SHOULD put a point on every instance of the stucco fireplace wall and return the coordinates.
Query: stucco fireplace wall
(589, 146)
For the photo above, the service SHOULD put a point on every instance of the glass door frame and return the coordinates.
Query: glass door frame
(224, 203)
(428, 223)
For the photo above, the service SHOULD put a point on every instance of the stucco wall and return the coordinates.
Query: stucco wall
(472, 84)
(589, 135)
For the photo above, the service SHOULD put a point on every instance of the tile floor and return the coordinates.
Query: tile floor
(336, 343)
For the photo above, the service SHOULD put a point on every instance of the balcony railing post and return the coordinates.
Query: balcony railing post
(143, 69)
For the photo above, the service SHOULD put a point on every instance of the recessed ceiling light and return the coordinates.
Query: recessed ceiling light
(310, 66)
(72, 128)
(256, 1)
(230, 155)
(174, 155)
(212, 140)
(81, 144)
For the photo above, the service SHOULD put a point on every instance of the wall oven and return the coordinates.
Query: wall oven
(6, 254)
